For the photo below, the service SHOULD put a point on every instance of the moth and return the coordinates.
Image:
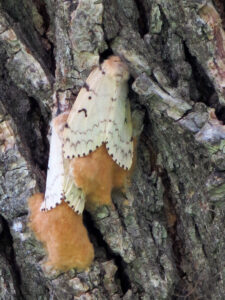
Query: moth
(101, 114)
(60, 184)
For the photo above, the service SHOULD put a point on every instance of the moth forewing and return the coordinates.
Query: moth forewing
(55, 173)
(120, 147)
(60, 184)
(99, 115)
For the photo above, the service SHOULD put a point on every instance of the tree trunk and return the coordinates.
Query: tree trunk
(168, 241)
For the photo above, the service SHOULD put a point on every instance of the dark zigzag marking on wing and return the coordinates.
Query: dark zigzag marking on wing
(114, 151)
(120, 139)
(119, 150)
(126, 142)
(124, 154)
(94, 125)
(74, 145)
(78, 132)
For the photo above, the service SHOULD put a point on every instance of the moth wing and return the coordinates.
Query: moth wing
(55, 174)
(86, 124)
(101, 113)
(119, 133)
(73, 196)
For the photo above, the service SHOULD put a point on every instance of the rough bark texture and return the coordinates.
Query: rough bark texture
(165, 238)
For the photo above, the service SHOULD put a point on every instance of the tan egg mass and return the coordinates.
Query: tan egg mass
(63, 234)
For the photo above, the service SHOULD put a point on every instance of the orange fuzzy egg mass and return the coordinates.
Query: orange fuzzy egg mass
(97, 174)
(63, 234)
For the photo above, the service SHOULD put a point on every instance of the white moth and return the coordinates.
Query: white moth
(60, 184)
(101, 114)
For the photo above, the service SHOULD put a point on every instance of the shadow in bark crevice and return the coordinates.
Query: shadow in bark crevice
(143, 19)
(41, 7)
(172, 220)
(31, 126)
(204, 86)
(97, 239)
(38, 155)
(7, 251)
(105, 54)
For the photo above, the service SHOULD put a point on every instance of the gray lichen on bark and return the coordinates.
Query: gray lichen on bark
(164, 238)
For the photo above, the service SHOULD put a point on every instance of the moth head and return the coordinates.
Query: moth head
(114, 67)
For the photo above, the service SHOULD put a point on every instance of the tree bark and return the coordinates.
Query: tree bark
(165, 238)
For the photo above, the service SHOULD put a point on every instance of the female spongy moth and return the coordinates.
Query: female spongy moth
(101, 114)
(60, 184)
(100, 118)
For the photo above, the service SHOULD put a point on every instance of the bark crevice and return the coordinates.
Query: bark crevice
(143, 20)
(206, 90)
(7, 252)
(99, 242)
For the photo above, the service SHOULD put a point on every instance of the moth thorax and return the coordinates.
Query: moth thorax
(116, 68)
